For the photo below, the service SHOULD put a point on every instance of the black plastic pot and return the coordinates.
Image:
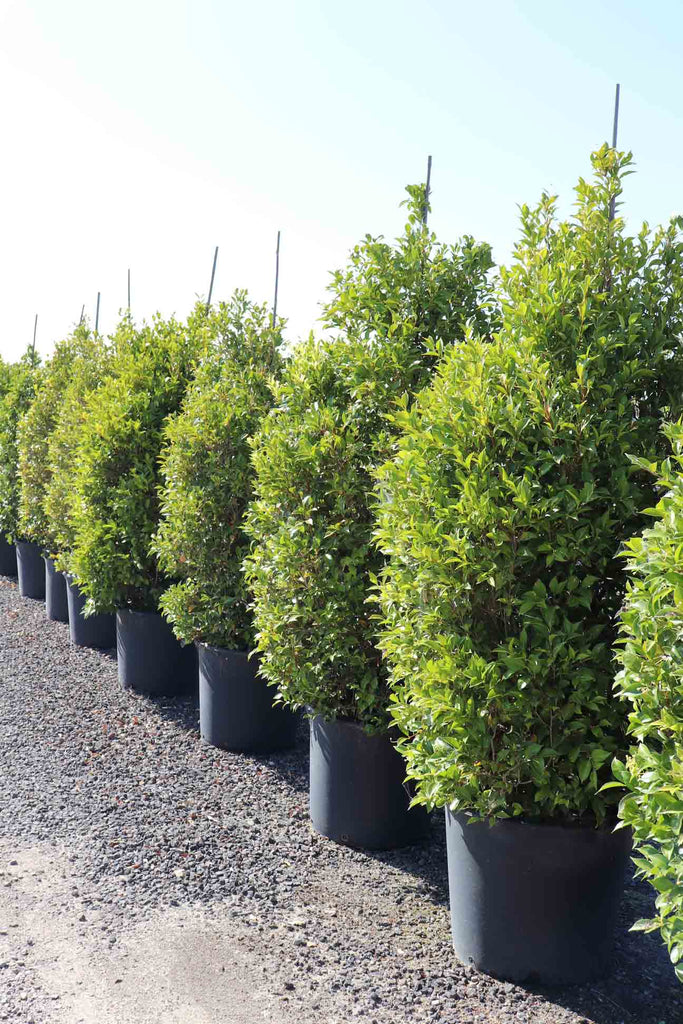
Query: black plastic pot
(56, 603)
(97, 630)
(534, 902)
(356, 788)
(151, 660)
(236, 710)
(30, 570)
(8, 558)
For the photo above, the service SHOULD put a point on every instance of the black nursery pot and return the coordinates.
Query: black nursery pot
(236, 710)
(534, 903)
(356, 788)
(56, 603)
(31, 570)
(97, 631)
(150, 658)
(8, 558)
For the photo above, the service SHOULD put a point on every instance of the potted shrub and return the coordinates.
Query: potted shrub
(313, 560)
(501, 516)
(207, 473)
(8, 553)
(88, 367)
(115, 511)
(33, 437)
(651, 682)
(23, 379)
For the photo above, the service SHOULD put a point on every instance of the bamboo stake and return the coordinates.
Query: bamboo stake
(213, 274)
(97, 314)
(277, 277)
(428, 190)
(615, 129)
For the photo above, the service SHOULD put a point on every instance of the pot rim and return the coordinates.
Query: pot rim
(227, 650)
(136, 611)
(350, 723)
(587, 825)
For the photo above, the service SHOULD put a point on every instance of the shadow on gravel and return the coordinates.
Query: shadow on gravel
(291, 765)
(181, 711)
(425, 861)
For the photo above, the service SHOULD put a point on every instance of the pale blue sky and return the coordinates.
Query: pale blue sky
(144, 133)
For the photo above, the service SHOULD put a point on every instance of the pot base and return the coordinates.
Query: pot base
(31, 570)
(357, 793)
(8, 558)
(236, 710)
(150, 659)
(56, 603)
(98, 631)
(535, 903)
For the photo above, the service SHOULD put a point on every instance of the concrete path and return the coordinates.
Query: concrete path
(60, 964)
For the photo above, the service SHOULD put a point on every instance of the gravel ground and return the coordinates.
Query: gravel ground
(151, 822)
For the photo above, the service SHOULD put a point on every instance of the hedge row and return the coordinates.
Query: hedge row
(417, 518)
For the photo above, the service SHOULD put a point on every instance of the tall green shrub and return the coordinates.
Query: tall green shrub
(89, 368)
(21, 380)
(313, 559)
(34, 432)
(651, 681)
(116, 507)
(504, 509)
(6, 370)
(208, 479)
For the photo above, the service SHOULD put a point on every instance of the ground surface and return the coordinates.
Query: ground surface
(147, 879)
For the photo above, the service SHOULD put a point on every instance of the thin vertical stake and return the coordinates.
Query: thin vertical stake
(97, 314)
(425, 210)
(615, 129)
(82, 313)
(35, 328)
(277, 277)
(129, 289)
(213, 274)
(616, 116)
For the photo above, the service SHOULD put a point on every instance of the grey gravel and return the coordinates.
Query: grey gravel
(151, 819)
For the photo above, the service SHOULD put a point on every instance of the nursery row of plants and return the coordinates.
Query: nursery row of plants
(431, 527)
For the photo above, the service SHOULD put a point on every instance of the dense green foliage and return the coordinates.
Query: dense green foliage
(503, 512)
(313, 559)
(6, 370)
(115, 511)
(418, 292)
(208, 479)
(89, 367)
(19, 382)
(34, 433)
(651, 679)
